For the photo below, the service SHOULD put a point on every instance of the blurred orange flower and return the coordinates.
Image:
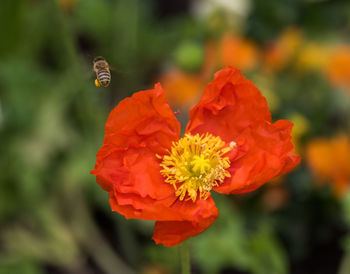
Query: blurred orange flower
(238, 52)
(338, 67)
(211, 59)
(275, 196)
(280, 52)
(182, 89)
(329, 159)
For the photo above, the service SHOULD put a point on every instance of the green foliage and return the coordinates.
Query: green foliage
(346, 208)
(166, 257)
(230, 243)
(18, 266)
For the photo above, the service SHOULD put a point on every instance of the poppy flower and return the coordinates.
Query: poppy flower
(230, 146)
(281, 51)
(238, 52)
(181, 88)
(329, 159)
(338, 67)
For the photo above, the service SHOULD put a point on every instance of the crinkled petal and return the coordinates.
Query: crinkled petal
(167, 209)
(170, 233)
(266, 154)
(229, 104)
(145, 119)
(127, 166)
(234, 109)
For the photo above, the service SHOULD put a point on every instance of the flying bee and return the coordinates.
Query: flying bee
(103, 74)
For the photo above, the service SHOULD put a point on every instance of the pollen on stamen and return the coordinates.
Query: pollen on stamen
(195, 164)
(233, 144)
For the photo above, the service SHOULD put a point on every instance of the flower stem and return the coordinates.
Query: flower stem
(185, 258)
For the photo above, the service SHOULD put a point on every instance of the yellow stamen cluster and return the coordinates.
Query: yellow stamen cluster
(196, 164)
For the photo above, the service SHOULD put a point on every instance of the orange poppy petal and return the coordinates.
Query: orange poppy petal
(143, 120)
(267, 154)
(234, 109)
(137, 129)
(229, 104)
(167, 209)
(329, 161)
(170, 233)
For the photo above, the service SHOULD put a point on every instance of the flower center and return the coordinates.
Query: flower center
(195, 164)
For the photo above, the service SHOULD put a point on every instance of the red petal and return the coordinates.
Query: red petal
(229, 104)
(137, 129)
(145, 119)
(170, 233)
(267, 154)
(168, 209)
(234, 109)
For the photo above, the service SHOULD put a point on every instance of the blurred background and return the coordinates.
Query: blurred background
(54, 218)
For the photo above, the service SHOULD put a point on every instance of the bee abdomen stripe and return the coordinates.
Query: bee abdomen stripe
(103, 70)
(104, 80)
(103, 73)
(104, 77)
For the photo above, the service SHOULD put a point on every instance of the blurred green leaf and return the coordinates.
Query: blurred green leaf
(18, 266)
(189, 56)
(228, 243)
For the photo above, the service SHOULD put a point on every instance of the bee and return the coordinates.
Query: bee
(103, 74)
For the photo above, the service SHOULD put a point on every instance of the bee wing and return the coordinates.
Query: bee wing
(113, 68)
